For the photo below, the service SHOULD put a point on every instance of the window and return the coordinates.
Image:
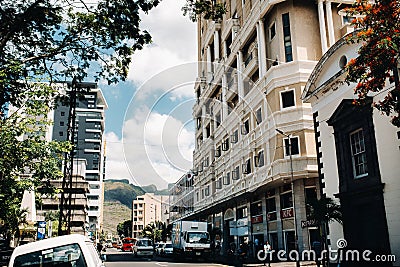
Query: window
(207, 191)
(218, 151)
(246, 167)
(287, 99)
(225, 145)
(286, 200)
(206, 162)
(218, 183)
(358, 153)
(218, 119)
(272, 31)
(271, 209)
(234, 137)
(67, 255)
(242, 212)
(258, 116)
(245, 127)
(235, 173)
(227, 178)
(61, 133)
(256, 209)
(259, 159)
(294, 146)
(287, 38)
(62, 113)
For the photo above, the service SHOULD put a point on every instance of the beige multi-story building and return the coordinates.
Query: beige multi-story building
(255, 154)
(146, 209)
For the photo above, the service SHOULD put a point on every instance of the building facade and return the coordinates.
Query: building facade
(358, 153)
(255, 160)
(181, 197)
(89, 145)
(146, 209)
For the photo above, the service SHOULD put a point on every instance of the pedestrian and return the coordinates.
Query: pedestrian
(267, 251)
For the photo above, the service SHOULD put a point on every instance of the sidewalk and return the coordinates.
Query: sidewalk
(233, 261)
(284, 264)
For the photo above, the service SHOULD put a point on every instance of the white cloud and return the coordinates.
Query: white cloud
(156, 149)
(174, 43)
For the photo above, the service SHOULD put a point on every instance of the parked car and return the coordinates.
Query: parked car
(167, 249)
(68, 250)
(143, 247)
(108, 243)
(158, 248)
(5, 252)
(127, 243)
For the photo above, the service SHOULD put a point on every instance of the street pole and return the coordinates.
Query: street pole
(296, 244)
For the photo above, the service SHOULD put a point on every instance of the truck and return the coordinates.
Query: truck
(190, 239)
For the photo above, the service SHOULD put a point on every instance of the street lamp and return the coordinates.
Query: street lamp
(293, 196)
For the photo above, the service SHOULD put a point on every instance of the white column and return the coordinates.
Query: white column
(203, 118)
(322, 30)
(262, 55)
(331, 32)
(240, 75)
(224, 102)
(216, 46)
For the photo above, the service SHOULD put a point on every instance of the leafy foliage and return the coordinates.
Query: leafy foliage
(125, 228)
(61, 40)
(379, 32)
(154, 231)
(325, 210)
(204, 8)
(27, 160)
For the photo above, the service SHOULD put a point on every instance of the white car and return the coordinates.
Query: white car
(68, 250)
(143, 247)
(167, 249)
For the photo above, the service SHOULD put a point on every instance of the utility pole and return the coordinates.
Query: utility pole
(66, 191)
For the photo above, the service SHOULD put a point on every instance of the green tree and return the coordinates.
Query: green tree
(378, 32)
(64, 40)
(324, 211)
(195, 9)
(27, 160)
(153, 231)
(125, 228)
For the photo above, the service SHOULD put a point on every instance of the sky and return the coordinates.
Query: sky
(149, 127)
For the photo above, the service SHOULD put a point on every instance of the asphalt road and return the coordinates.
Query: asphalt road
(117, 258)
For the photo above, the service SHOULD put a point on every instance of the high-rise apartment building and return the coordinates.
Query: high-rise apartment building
(146, 209)
(255, 154)
(89, 144)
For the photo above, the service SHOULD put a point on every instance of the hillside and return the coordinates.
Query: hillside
(121, 191)
(114, 213)
(118, 197)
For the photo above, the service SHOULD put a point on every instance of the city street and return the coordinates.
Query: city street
(117, 258)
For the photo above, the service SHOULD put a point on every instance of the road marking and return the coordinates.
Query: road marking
(162, 265)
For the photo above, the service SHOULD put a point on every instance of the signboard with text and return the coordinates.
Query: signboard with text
(287, 213)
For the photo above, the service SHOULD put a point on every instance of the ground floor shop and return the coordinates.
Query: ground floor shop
(277, 214)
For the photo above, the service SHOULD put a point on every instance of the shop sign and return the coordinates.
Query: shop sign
(242, 231)
(242, 222)
(232, 224)
(233, 231)
(308, 223)
(257, 219)
(287, 213)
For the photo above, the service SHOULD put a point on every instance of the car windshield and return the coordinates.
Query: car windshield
(197, 237)
(168, 245)
(144, 243)
(68, 255)
(127, 241)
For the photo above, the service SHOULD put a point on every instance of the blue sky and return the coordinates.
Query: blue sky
(149, 126)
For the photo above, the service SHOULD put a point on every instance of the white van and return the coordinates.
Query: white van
(63, 251)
